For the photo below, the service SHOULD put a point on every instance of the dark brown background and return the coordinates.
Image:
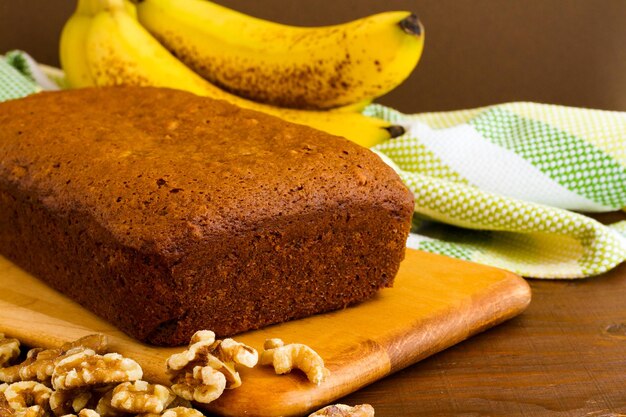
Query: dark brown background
(477, 52)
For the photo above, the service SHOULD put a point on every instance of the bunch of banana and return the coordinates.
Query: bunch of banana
(314, 68)
(104, 43)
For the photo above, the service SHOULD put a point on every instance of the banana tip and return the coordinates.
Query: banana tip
(395, 131)
(412, 25)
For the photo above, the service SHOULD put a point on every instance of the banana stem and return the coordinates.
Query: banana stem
(87, 7)
(93, 7)
(412, 25)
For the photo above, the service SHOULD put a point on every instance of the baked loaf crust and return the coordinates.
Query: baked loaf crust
(165, 213)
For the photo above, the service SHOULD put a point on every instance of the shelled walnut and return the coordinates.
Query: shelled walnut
(40, 363)
(181, 412)
(231, 351)
(104, 408)
(42, 367)
(85, 412)
(89, 383)
(203, 371)
(86, 368)
(9, 350)
(203, 384)
(342, 410)
(11, 374)
(284, 358)
(5, 408)
(141, 397)
(175, 412)
(27, 398)
(70, 402)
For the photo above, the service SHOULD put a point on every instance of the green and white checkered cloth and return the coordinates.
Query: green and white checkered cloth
(499, 185)
(14, 82)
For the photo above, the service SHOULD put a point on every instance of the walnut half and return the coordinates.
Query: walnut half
(9, 350)
(69, 402)
(203, 371)
(141, 397)
(284, 358)
(27, 398)
(203, 384)
(342, 410)
(85, 412)
(176, 412)
(86, 368)
(40, 363)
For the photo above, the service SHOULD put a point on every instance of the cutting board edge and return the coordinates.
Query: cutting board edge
(519, 296)
(503, 287)
(499, 311)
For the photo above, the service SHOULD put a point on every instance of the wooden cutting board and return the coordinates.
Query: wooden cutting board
(435, 303)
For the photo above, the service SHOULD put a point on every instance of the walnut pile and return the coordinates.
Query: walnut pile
(203, 371)
(284, 358)
(81, 379)
(342, 410)
(40, 363)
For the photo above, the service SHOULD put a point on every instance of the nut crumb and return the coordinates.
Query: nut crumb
(284, 358)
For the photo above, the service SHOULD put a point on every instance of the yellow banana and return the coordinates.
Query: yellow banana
(72, 40)
(72, 44)
(120, 51)
(311, 68)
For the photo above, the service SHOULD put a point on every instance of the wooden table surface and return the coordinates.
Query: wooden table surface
(564, 356)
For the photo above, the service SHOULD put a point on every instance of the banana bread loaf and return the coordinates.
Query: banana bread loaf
(165, 213)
